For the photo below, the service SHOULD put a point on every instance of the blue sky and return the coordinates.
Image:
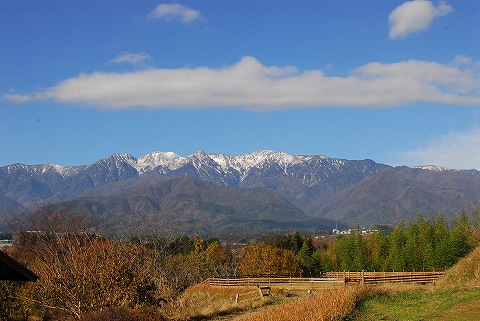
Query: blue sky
(393, 81)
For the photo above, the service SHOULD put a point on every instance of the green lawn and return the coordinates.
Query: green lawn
(440, 304)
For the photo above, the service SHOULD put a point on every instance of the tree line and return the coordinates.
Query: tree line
(423, 244)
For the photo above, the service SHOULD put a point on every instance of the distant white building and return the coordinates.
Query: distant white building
(5, 243)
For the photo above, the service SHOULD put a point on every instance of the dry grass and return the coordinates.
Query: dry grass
(465, 273)
(203, 301)
(326, 305)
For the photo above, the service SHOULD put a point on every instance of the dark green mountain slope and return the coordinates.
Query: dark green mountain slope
(187, 205)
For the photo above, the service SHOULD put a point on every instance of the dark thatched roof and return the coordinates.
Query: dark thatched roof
(14, 271)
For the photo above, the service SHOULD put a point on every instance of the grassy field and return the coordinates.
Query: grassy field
(352, 303)
(456, 297)
(439, 304)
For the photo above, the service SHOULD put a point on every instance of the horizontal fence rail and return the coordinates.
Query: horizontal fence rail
(333, 278)
(385, 277)
(268, 280)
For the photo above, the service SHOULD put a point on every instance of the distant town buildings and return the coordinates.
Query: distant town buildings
(362, 231)
(5, 243)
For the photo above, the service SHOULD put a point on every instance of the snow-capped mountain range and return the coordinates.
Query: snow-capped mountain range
(163, 162)
(310, 183)
(220, 168)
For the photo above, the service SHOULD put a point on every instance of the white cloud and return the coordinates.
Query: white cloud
(17, 98)
(414, 16)
(252, 85)
(456, 150)
(171, 11)
(131, 58)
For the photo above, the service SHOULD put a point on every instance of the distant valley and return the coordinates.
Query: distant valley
(263, 191)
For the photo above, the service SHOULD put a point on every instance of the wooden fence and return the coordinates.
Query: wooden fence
(385, 277)
(333, 278)
(268, 281)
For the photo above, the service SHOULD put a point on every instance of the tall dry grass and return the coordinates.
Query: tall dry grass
(205, 301)
(327, 305)
(465, 273)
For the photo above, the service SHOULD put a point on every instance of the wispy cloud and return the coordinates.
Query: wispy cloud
(18, 98)
(175, 11)
(456, 150)
(131, 58)
(414, 16)
(252, 85)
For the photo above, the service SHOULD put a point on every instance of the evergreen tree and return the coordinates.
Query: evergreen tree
(358, 250)
(297, 242)
(443, 253)
(376, 251)
(344, 254)
(307, 248)
(459, 238)
(412, 260)
(396, 256)
(474, 237)
(305, 254)
(321, 261)
(426, 244)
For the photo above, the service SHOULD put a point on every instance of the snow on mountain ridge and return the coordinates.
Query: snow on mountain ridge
(153, 160)
(432, 168)
(220, 163)
(221, 169)
(31, 169)
(243, 162)
(67, 170)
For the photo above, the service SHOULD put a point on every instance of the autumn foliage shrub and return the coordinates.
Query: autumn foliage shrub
(10, 308)
(81, 273)
(262, 260)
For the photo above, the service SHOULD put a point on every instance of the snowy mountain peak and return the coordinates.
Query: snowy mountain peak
(116, 158)
(241, 163)
(67, 170)
(432, 168)
(200, 153)
(62, 170)
(156, 159)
